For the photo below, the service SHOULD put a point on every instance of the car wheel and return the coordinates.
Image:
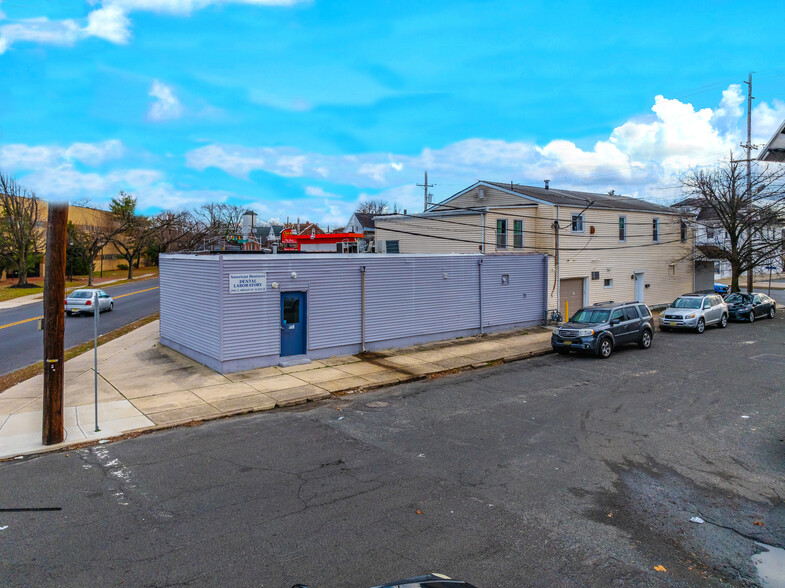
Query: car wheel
(752, 316)
(701, 326)
(771, 312)
(724, 321)
(645, 341)
(111, 307)
(605, 349)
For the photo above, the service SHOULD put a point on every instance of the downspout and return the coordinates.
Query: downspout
(479, 274)
(362, 309)
(694, 282)
(482, 219)
(557, 260)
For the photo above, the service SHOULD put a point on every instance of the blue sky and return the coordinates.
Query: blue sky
(303, 108)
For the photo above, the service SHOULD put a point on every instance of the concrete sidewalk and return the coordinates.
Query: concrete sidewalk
(143, 385)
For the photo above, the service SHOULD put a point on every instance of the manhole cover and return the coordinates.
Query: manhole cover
(377, 404)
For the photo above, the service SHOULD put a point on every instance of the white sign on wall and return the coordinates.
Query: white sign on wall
(244, 283)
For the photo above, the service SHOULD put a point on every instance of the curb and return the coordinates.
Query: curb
(246, 411)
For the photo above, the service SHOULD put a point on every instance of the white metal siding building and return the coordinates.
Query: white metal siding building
(234, 312)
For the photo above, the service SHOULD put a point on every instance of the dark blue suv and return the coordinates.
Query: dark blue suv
(603, 327)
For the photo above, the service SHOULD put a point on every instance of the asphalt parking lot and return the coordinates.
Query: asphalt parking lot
(555, 471)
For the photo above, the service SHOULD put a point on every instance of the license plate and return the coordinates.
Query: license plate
(74, 310)
(568, 342)
(672, 324)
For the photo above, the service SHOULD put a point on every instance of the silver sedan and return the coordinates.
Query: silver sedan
(83, 301)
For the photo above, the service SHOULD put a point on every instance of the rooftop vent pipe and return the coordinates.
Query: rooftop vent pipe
(546, 184)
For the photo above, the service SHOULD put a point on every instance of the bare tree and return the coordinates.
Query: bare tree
(91, 240)
(21, 233)
(750, 219)
(377, 206)
(138, 233)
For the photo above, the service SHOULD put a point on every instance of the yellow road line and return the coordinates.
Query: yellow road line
(137, 292)
(35, 318)
(21, 322)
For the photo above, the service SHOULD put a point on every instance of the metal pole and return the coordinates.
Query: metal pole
(770, 268)
(96, 312)
(750, 271)
(362, 308)
(479, 273)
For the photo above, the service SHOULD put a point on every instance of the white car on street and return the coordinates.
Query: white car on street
(83, 301)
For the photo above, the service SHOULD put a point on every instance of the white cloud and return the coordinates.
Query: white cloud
(109, 22)
(166, 105)
(639, 155)
(185, 7)
(317, 191)
(17, 156)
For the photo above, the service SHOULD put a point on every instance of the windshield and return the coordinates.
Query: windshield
(591, 316)
(81, 294)
(687, 303)
(737, 298)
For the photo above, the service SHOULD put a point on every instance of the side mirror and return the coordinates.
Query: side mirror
(615, 321)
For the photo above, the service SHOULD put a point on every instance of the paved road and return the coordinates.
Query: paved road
(21, 343)
(555, 471)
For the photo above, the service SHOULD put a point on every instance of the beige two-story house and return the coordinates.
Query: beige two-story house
(601, 246)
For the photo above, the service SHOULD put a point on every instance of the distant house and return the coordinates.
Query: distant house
(601, 247)
(364, 223)
(775, 149)
(712, 242)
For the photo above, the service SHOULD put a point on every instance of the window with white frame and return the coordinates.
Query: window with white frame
(683, 231)
(655, 230)
(608, 283)
(501, 233)
(577, 223)
(622, 228)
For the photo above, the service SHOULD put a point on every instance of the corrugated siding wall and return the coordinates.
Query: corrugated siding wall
(406, 297)
(520, 296)
(190, 305)
(411, 296)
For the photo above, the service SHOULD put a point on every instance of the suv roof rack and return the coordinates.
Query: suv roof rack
(604, 302)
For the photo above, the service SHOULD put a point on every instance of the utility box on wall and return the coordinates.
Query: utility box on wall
(234, 312)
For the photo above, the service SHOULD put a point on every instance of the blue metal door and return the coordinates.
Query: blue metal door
(293, 323)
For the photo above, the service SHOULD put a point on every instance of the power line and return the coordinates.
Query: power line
(510, 215)
(534, 232)
(476, 242)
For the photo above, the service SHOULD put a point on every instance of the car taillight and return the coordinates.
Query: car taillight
(65, 301)
(88, 303)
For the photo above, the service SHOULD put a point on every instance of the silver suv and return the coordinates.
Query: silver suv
(695, 311)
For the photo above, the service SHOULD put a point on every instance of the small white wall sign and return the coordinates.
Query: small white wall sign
(244, 283)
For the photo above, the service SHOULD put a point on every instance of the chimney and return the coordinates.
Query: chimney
(546, 184)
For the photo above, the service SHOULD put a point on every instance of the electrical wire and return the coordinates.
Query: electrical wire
(476, 242)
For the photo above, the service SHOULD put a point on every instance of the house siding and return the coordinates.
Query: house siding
(667, 265)
(449, 234)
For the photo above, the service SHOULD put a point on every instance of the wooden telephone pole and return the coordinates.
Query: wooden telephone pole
(54, 323)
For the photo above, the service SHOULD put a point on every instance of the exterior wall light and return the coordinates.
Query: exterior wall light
(274, 284)
(294, 275)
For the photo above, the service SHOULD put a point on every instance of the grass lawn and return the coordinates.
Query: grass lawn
(7, 293)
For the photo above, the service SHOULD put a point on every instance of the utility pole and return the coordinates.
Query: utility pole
(54, 323)
(748, 146)
(425, 187)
